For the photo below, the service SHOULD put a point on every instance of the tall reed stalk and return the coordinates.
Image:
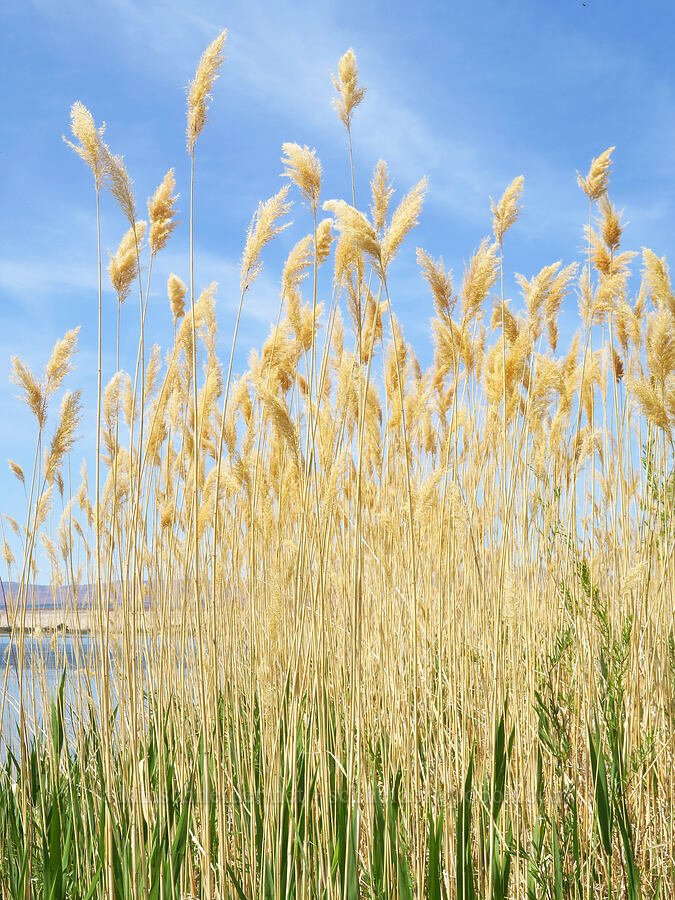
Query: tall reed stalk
(360, 629)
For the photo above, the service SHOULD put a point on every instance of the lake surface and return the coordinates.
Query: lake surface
(45, 658)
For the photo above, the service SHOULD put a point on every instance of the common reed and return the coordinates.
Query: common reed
(356, 628)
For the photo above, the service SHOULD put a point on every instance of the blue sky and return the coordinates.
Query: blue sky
(470, 94)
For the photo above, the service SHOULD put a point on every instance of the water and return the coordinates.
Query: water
(45, 658)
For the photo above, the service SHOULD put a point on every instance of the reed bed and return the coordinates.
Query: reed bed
(358, 629)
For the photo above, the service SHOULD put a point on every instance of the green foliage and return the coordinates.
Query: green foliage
(316, 826)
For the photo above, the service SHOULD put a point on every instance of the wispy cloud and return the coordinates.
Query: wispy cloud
(33, 280)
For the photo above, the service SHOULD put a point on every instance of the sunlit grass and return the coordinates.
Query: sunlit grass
(358, 629)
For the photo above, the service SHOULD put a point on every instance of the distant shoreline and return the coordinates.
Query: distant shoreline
(46, 630)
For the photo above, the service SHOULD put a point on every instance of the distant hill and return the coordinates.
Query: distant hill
(43, 596)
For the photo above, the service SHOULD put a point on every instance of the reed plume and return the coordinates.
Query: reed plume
(176, 290)
(33, 392)
(120, 185)
(506, 213)
(347, 86)
(17, 470)
(60, 362)
(200, 88)
(404, 219)
(161, 213)
(90, 146)
(264, 227)
(596, 182)
(304, 169)
(315, 582)
(64, 436)
(123, 265)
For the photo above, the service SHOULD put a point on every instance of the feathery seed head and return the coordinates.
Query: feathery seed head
(324, 240)
(617, 365)
(60, 361)
(382, 192)
(120, 185)
(17, 470)
(660, 344)
(403, 221)
(199, 90)
(90, 145)
(600, 254)
(596, 182)
(205, 315)
(478, 279)
(544, 293)
(152, 372)
(557, 291)
(111, 402)
(123, 266)
(440, 283)
(241, 399)
(261, 231)
(609, 293)
(656, 277)
(161, 213)
(309, 325)
(295, 270)
(372, 327)
(355, 228)
(504, 215)
(649, 401)
(129, 405)
(7, 554)
(278, 357)
(277, 412)
(348, 262)
(627, 326)
(611, 227)
(32, 389)
(64, 436)
(43, 508)
(304, 170)
(14, 525)
(347, 87)
(503, 318)
(176, 290)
